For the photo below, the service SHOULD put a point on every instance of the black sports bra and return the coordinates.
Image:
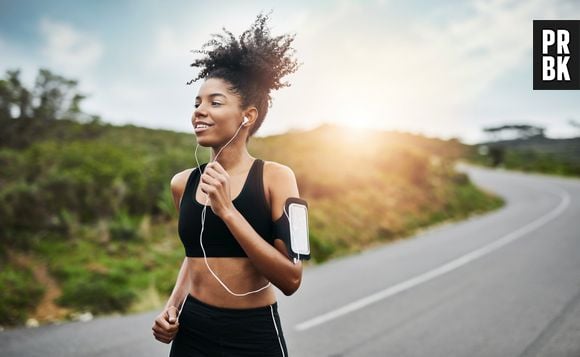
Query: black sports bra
(218, 241)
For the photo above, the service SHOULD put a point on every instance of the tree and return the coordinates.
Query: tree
(53, 97)
(13, 96)
(574, 123)
(522, 131)
(29, 115)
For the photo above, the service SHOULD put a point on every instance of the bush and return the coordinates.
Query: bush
(19, 293)
(98, 292)
(124, 227)
(320, 249)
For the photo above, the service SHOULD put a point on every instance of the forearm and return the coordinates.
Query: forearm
(182, 286)
(274, 265)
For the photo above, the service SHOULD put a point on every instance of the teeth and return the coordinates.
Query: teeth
(202, 126)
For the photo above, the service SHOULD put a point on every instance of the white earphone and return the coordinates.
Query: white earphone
(246, 120)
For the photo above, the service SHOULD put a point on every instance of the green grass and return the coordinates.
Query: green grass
(109, 276)
(19, 294)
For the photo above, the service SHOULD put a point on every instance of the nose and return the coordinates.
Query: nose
(199, 112)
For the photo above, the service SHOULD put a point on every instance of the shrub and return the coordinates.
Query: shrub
(19, 293)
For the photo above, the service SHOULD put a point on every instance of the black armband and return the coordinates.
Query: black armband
(292, 228)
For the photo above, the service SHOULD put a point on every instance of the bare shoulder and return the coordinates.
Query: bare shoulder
(280, 181)
(276, 167)
(178, 182)
(279, 177)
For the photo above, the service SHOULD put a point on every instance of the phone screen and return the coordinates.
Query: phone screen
(299, 228)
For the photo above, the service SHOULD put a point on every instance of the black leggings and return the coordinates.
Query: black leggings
(206, 330)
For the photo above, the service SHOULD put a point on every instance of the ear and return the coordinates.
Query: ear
(252, 114)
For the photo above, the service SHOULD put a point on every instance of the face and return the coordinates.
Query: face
(220, 109)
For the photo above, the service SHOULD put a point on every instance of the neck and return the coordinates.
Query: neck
(233, 158)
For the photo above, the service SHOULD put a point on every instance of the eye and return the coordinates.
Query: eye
(214, 103)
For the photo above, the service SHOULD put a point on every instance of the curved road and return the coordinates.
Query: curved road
(502, 284)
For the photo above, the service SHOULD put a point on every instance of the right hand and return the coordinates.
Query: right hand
(166, 325)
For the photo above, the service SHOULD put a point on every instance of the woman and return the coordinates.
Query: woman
(224, 287)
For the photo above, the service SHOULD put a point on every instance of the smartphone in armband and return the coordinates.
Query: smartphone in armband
(292, 228)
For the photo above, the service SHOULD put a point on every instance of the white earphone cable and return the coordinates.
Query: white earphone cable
(203, 225)
(203, 249)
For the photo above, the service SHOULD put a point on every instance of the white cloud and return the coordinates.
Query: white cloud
(486, 45)
(168, 49)
(69, 49)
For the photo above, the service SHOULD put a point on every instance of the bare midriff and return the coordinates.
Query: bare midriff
(238, 274)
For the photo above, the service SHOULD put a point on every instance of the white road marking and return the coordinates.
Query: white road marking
(432, 274)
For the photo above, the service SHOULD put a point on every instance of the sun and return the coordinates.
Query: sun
(359, 122)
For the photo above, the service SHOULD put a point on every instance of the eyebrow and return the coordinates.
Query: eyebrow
(214, 95)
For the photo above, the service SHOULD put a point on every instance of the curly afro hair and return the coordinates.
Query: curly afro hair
(252, 65)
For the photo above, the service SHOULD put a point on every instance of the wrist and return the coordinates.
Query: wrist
(229, 215)
(173, 303)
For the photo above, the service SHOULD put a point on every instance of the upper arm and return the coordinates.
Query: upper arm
(281, 185)
(178, 183)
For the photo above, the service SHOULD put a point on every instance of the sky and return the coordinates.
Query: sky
(443, 69)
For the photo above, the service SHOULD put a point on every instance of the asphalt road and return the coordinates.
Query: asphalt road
(502, 284)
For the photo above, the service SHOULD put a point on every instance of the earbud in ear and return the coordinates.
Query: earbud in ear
(246, 120)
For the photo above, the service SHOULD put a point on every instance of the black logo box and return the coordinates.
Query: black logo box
(573, 28)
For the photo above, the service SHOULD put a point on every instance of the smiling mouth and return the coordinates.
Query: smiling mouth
(200, 128)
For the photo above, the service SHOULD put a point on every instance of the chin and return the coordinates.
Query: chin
(207, 142)
(201, 142)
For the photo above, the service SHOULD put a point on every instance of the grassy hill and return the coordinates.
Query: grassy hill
(88, 222)
(535, 154)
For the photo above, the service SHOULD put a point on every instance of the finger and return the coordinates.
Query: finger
(161, 330)
(210, 180)
(207, 189)
(171, 324)
(219, 177)
(213, 173)
(217, 167)
(172, 315)
(173, 328)
(162, 339)
(166, 333)
(162, 324)
(161, 334)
